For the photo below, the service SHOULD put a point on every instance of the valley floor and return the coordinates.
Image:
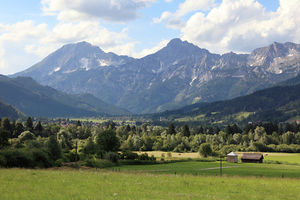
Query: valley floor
(102, 184)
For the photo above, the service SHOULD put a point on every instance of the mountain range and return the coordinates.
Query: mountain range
(177, 75)
(280, 103)
(34, 99)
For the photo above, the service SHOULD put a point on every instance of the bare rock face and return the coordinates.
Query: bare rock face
(179, 74)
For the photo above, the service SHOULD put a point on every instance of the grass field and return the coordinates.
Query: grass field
(277, 165)
(213, 169)
(183, 179)
(288, 158)
(91, 184)
(285, 158)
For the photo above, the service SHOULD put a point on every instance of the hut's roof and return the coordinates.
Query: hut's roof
(232, 154)
(252, 156)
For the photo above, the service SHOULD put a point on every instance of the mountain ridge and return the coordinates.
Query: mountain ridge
(43, 101)
(9, 111)
(179, 74)
(279, 103)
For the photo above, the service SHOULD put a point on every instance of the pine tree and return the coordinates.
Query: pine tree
(38, 129)
(5, 124)
(171, 129)
(19, 128)
(29, 124)
(186, 131)
(54, 148)
(4, 136)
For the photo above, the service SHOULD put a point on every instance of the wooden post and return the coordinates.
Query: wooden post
(220, 165)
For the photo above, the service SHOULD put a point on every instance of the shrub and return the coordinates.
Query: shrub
(284, 148)
(27, 158)
(4, 136)
(112, 156)
(54, 149)
(90, 147)
(41, 158)
(145, 156)
(71, 157)
(97, 163)
(18, 158)
(26, 135)
(261, 147)
(129, 155)
(2, 160)
(169, 155)
(58, 162)
(205, 149)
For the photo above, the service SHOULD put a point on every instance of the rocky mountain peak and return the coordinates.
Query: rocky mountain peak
(265, 56)
(179, 74)
(179, 44)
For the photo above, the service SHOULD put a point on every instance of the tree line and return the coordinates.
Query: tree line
(31, 144)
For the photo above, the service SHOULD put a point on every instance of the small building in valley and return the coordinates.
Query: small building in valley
(232, 157)
(252, 158)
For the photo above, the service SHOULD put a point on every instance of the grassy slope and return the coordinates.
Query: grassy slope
(59, 184)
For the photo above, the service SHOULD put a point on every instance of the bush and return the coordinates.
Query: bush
(90, 147)
(97, 163)
(261, 147)
(145, 156)
(18, 158)
(205, 150)
(112, 156)
(54, 149)
(31, 144)
(41, 158)
(284, 148)
(71, 157)
(26, 135)
(25, 158)
(129, 155)
(58, 163)
(169, 155)
(2, 160)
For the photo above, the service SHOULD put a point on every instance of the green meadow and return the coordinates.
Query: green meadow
(287, 158)
(213, 169)
(102, 184)
(277, 178)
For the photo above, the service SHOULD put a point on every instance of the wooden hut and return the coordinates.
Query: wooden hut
(252, 158)
(232, 157)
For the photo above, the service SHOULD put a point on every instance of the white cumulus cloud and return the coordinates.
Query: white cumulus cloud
(242, 25)
(110, 10)
(25, 42)
(175, 21)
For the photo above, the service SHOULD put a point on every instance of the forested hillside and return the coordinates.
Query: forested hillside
(37, 100)
(9, 111)
(278, 103)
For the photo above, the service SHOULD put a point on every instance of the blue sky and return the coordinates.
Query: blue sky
(31, 29)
